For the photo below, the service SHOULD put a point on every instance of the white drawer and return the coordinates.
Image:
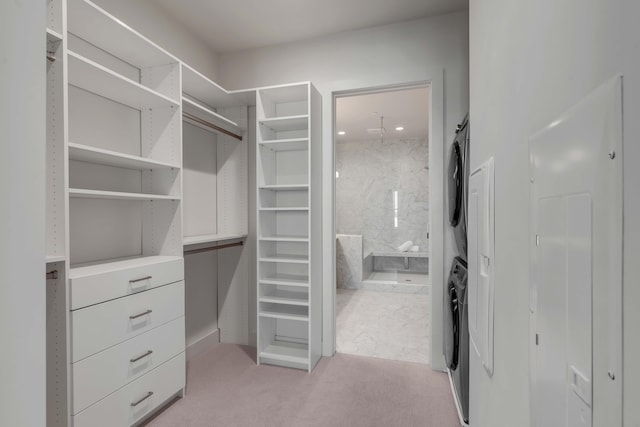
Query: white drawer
(118, 409)
(103, 373)
(103, 282)
(103, 325)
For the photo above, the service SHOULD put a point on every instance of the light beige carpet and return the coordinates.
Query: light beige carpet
(226, 388)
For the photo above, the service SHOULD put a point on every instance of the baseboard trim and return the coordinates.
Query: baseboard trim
(203, 345)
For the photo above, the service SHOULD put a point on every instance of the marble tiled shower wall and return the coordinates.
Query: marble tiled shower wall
(369, 173)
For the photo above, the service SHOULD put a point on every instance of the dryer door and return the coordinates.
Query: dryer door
(451, 326)
(455, 190)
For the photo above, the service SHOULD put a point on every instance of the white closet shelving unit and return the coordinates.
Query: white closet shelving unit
(147, 159)
(215, 161)
(115, 305)
(289, 258)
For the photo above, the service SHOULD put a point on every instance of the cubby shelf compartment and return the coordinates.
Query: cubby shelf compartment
(283, 209)
(211, 238)
(93, 24)
(292, 144)
(286, 312)
(203, 114)
(283, 238)
(286, 297)
(291, 259)
(285, 187)
(117, 195)
(95, 78)
(287, 352)
(287, 124)
(286, 280)
(85, 153)
(53, 36)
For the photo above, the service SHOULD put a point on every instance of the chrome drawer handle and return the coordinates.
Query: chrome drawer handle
(140, 279)
(139, 401)
(142, 356)
(144, 313)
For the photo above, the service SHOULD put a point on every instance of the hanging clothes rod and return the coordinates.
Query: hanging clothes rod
(213, 248)
(52, 275)
(51, 56)
(210, 125)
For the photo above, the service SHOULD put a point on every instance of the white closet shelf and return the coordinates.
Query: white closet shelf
(286, 280)
(202, 113)
(55, 258)
(200, 87)
(283, 311)
(53, 36)
(85, 153)
(285, 187)
(98, 27)
(287, 352)
(208, 238)
(295, 92)
(285, 124)
(286, 297)
(95, 78)
(116, 195)
(90, 269)
(290, 209)
(288, 258)
(295, 144)
(283, 238)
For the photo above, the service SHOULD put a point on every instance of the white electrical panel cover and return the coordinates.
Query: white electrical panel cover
(576, 263)
(481, 258)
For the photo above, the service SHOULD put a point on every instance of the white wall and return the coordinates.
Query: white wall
(150, 20)
(392, 54)
(369, 173)
(531, 60)
(22, 221)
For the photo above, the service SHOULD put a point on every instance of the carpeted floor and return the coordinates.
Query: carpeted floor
(225, 388)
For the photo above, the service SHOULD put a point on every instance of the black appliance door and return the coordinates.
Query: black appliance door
(454, 188)
(451, 326)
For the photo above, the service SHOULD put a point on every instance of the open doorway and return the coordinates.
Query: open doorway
(383, 304)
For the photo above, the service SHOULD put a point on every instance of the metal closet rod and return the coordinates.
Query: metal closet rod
(52, 274)
(210, 125)
(213, 248)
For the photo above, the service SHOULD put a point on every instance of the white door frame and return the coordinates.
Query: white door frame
(435, 81)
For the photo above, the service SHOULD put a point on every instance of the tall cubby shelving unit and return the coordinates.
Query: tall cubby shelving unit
(289, 193)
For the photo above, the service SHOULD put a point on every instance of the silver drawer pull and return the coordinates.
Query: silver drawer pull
(139, 401)
(142, 356)
(140, 279)
(144, 313)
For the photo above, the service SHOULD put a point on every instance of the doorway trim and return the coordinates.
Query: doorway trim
(434, 80)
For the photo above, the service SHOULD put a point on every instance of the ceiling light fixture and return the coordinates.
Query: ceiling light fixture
(342, 132)
(399, 128)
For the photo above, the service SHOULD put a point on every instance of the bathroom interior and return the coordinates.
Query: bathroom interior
(382, 224)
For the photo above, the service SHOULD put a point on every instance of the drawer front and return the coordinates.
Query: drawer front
(103, 373)
(104, 325)
(126, 406)
(100, 287)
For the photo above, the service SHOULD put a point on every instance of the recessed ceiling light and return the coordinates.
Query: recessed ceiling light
(342, 132)
(399, 128)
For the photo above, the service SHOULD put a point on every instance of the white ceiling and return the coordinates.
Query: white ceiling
(407, 108)
(228, 25)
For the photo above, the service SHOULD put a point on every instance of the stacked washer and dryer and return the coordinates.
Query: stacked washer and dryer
(456, 333)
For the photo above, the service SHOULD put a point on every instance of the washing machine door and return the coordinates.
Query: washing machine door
(454, 187)
(451, 326)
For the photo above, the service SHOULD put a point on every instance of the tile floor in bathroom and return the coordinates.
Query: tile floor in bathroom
(388, 325)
